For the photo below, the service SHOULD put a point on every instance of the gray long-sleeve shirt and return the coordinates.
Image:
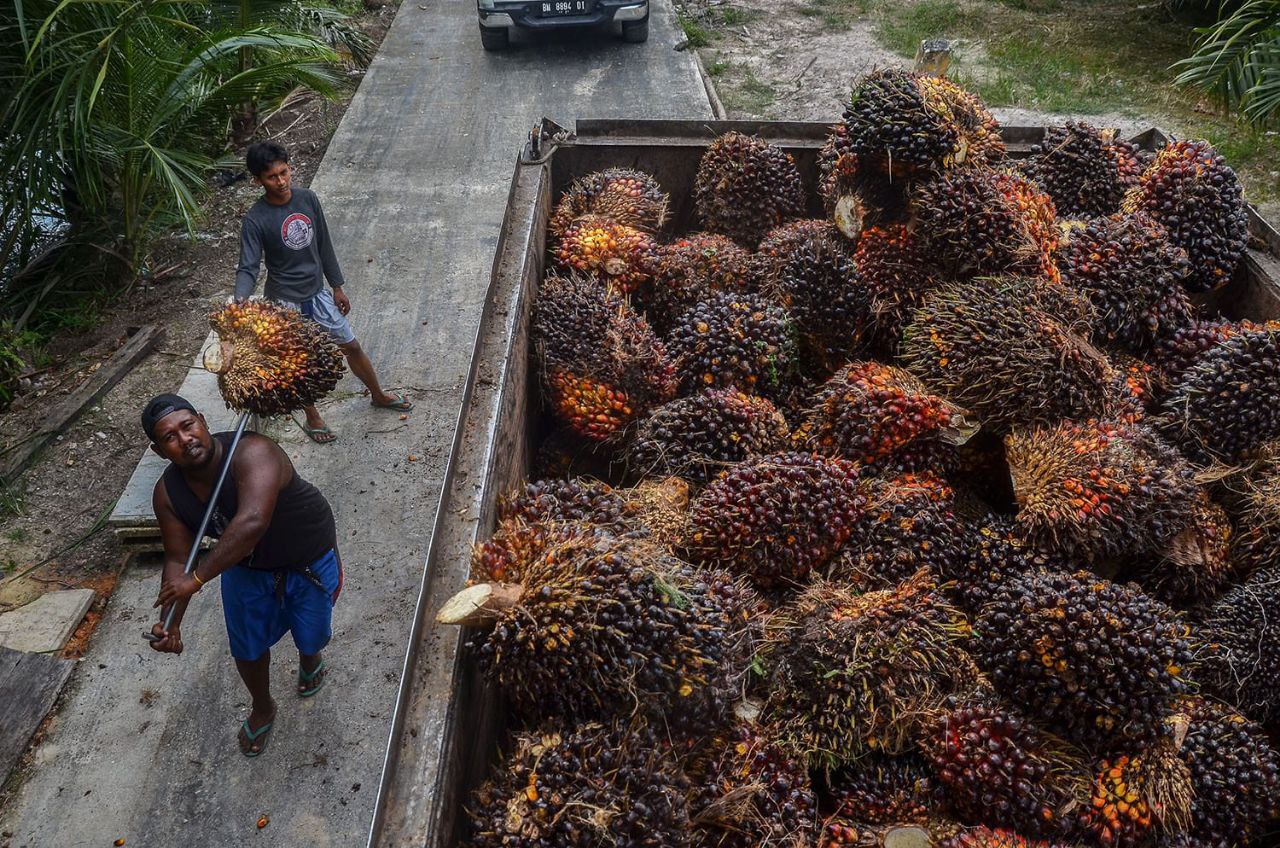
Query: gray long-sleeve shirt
(294, 240)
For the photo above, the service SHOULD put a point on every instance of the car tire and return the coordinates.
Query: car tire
(495, 38)
(635, 32)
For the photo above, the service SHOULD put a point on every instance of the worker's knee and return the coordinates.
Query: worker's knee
(351, 348)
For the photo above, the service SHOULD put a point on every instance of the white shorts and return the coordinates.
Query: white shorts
(324, 312)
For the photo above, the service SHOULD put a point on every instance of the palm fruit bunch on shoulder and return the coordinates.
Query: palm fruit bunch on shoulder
(907, 524)
(1086, 171)
(997, 348)
(619, 256)
(1099, 488)
(699, 436)
(774, 519)
(1238, 645)
(600, 362)
(896, 270)
(910, 124)
(1190, 189)
(854, 673)
(1227, 402)
(269, 359)
(690, 269)
(1137, 797)
(1101, 662)
(1000, 769)
(746, 187)
(777, 247)
(821, 289)
(752, 794)
(624, 195)
(1133, 276)
(979, 222)
(598, 624)
(1175, 353)
(733, 339)
(1197, 563)
(1235, 774)
(993, 551)
(524, 520)
(882, 418)
(877, 789)
(583, 787)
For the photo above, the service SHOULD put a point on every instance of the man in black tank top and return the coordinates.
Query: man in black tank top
(276, 552)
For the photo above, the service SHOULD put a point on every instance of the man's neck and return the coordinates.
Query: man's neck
(279, 200)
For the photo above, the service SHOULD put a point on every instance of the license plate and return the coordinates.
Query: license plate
(555, 8)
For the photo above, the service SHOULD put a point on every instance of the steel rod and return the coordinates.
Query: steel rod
(204, 522)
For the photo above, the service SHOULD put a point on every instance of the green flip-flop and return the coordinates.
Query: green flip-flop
(318, 434)
(399, 403)
(251, 736)
(308, 684)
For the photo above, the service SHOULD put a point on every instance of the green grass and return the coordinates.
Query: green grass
(716, 69)
(743, 91)
(837, 14)
(17, 535)
(1079, 56)
(11, 499)
(696, 34)
(732, 16)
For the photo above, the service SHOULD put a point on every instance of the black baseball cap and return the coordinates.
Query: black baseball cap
(160, 406)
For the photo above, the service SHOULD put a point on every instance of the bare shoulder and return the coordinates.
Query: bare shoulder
(256, 451)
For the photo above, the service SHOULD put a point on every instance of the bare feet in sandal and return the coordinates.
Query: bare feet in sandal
(255, 731)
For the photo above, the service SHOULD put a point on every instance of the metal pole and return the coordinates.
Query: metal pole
(204, 522)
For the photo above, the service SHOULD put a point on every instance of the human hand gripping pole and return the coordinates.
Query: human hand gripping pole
(204, 523)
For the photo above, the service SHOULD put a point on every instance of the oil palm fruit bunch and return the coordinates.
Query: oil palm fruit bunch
(856, 193)
(979, 221)
(821, 289)
(1197, 563)
(998, 349)
(882, 417)
(895, 269)
(601, 365)
(1000, 769)
(907, 524)
(1238, 645)
(733, 339)
(774, 519)
(269, 359)
(619, 256)
(1133, 276)
(1176, 352)
(699, 436)
(524, 520)
(746, 187)
(857, 673)
(1190, 189)
(627, 196)
(1137, 796)
(1235, 774)
(583, 787)
(752, 794)
(1101, 662)
(987, 837)
(1086, 171)
(1227, 402)
(690, 269)
(1099, 489)
(599, 624)
(776, 248)
(1254, 496)
(993, 552)
(909, 124)
(878, 789)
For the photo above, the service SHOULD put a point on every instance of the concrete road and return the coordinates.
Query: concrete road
(414, 185)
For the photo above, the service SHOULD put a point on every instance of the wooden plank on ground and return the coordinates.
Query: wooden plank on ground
(19, 454)
(29, 684)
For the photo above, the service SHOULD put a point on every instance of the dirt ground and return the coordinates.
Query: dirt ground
(53, 533)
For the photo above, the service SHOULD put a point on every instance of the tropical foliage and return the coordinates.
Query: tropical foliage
(120, 109)
(1238, 58)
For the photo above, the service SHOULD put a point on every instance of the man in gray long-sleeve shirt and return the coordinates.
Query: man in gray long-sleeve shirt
(286, 227)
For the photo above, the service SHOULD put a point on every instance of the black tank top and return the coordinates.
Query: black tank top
(301, 529)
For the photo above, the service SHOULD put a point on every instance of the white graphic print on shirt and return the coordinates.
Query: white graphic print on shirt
(297, 231)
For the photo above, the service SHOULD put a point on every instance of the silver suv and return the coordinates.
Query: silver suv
(498, 17)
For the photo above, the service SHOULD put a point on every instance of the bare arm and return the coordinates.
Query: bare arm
(259, 470)
(177, 542)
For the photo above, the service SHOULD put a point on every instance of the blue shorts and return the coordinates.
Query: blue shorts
(258, 617)
(324, 312)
